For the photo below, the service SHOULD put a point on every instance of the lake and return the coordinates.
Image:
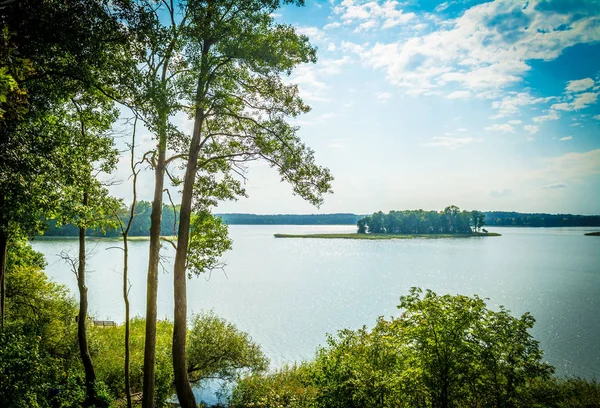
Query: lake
(288, 293)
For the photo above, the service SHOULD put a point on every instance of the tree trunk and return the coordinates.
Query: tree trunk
(152, 284)
(127, 328)
(182, 383)
(3, 254)
(86, 359)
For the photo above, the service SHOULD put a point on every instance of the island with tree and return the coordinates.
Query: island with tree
(450, 223)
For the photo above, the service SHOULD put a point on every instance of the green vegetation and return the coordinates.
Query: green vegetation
(64, 68)
(442, 351)
(418, 222)
(514, 219)
(290, 219)
(39, 355)
(170, 221)
(593, 234)
(387, 236)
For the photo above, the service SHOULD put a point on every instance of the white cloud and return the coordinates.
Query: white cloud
(532, 129)
(371, 14)
(366, 26)
(554, 186)
(566, 138)
(335, 24)
(484, 50)
(505, 192)
(570, 166)
(452, 142)
(597, 117)
(331, 47)
(496, 127)
(442, 6)
(580, 85)
(511, 103)
(552, 115)
(383, 96)
(514, 122)
(461, 129)
(333, 66)
(313, 33)
(459, 95)
(581, 101)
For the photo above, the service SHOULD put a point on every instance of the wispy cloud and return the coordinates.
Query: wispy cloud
(383, 96)
(532, 129)
(373, 14)
(566, 138)
(496, 127)
(452, 142)
(554, 186)
(580, 85)
(505, 192)
(459, 95)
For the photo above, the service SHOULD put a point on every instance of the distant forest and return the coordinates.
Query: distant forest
(141, 223)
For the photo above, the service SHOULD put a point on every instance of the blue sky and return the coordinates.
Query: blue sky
(423, 104)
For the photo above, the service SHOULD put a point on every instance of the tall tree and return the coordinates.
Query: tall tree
(147, 87)
(231, 66)
(86, 203)
(125, 228)
(51, 50)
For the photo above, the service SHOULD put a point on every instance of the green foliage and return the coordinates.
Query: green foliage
(106, 348)
(288, 387)
(462, 353)
(218, 349)
(442, 351)
(208, 241)
(449, 221)
(38, 346)
(36, 306)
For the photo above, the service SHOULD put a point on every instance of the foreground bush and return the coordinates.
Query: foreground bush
(442, 351)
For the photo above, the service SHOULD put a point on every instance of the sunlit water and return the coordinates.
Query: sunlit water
(288, 293)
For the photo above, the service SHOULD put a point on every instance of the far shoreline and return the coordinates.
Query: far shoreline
(387, 236)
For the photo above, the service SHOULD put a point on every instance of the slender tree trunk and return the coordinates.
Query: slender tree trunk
(125, 232)
(127, 328)
(152, 284)
(3, 254)
(182, 383)
(86, 359)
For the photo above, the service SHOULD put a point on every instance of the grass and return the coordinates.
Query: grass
(386, 236)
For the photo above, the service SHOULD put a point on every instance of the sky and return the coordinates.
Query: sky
(424, 104)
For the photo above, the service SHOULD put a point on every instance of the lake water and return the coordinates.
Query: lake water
(288, 293)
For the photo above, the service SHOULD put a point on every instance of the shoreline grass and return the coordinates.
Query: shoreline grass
(387, 236)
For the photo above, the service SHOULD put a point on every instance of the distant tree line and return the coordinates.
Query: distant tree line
(503, 218)
(291, 219)
(450, 221)
(140, 227)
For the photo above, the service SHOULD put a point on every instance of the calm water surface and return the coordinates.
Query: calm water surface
(288, 293)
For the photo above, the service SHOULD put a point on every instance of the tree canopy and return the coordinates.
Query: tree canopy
(450, 221)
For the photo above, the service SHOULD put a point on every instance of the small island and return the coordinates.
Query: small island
(593, 234)
(450, 223)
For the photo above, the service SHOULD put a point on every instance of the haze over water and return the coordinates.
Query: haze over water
(288, 293)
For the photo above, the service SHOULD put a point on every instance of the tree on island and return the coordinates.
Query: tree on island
(450, 221)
